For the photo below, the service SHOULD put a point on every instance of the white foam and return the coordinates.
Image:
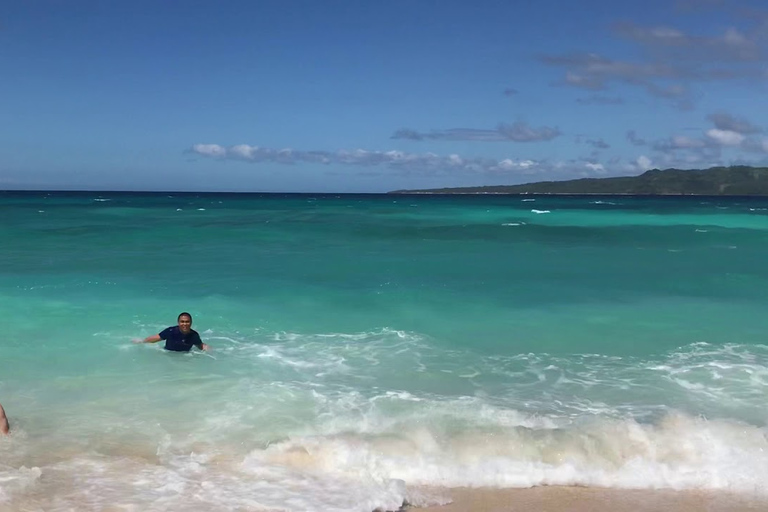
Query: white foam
(358, 421)
(348, 453)
(540, 211)
(16, 481)
(680, 452)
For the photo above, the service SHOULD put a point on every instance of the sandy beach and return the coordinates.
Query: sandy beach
(582, 499)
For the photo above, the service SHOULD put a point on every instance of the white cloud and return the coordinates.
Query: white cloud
(455, 160)
(393, 159)
(725, 137)
(730, 132)
(595, 167)
(510, 165)
(242, 151)
(674, 152)
(212, 150)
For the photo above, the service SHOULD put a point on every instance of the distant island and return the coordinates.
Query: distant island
(717, 181)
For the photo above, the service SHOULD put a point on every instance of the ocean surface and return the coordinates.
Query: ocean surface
(368, 350)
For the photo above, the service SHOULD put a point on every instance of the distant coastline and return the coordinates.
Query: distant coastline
(716, 181)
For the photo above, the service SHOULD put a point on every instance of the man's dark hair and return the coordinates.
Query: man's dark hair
(184, 314)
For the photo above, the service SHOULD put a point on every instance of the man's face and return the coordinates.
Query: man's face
(185, 324)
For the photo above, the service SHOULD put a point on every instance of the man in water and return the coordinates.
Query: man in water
(4, 427)
(180, 338)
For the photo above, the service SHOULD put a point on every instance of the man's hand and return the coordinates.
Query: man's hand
(206, 348)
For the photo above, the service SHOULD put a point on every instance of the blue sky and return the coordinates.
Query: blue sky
(363, 96)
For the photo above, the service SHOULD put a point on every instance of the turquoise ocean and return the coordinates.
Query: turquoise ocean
(369, 350)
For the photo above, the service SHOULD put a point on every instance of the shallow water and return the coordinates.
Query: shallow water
(366, 346)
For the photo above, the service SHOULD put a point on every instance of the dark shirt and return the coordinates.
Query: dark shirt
(178, 341)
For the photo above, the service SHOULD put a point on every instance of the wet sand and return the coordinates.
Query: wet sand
(582, 499)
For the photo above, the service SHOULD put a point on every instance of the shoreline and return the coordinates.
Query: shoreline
(590, 499)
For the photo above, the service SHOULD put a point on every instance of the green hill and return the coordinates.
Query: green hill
(717, 181)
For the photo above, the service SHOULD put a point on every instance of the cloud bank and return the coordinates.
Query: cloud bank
(517, 132)
(669, 62)
(397, 160)
(508, 170)
(729, 135)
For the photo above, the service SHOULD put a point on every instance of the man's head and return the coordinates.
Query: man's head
(185, 322)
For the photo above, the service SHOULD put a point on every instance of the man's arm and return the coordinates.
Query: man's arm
(4, 427)
(149, 339)
(199, 344)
